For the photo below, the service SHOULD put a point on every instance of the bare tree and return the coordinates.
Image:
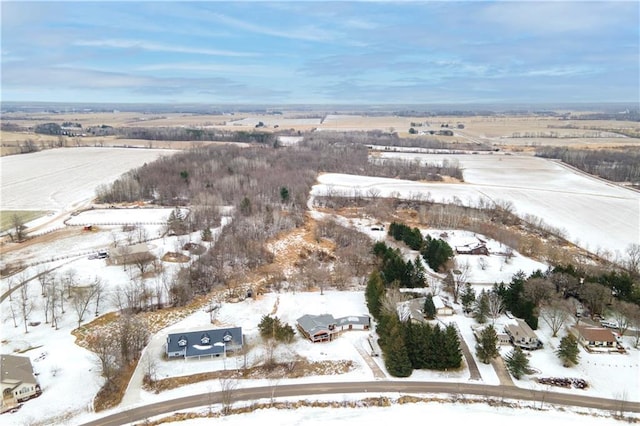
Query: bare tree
(623, 313)
(143, 261)
(98, 288)
(595, 296)
(43, 278)
(227, 389)
(105, 347)
(82, 297)
(25, 304)
(457, 278)
(539, 290)
(69, 281)
(556, 313)
(495, 305)
(633, 259)
(18, 228)
(54, 295)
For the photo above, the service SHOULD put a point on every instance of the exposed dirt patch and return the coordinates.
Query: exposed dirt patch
(175, 257)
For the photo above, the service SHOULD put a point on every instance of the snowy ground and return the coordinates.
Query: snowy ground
(481, 414)
(61, 179)
(596, 215)
(63, 367)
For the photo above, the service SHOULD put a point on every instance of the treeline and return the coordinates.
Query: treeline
(414, 169)
(380, 138)
(436, 252)
(198, 135)
(407, 346)
(613, 165)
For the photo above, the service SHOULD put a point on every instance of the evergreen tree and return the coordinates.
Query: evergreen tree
(568, 352)
(486, 348)
(284, 194)
(396, 358)
(436, 253)
(429, 308)
(374, 293)
(517, 363)
(452, 352)
(206, 234)
(482, 308)
(468, 298)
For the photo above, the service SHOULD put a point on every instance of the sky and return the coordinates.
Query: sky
(306, 52)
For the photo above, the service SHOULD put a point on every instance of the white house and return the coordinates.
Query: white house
(18, 381)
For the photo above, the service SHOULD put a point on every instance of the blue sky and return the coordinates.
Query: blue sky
(299, 52)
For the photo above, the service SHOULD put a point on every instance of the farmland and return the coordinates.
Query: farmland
(598, 216)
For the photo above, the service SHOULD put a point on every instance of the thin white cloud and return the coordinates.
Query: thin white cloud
(160, 47)
(307, 33)
(244, 70)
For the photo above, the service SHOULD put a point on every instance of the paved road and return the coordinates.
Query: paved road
(267, 392)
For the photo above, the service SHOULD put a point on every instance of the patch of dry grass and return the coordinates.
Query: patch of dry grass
(299, 368)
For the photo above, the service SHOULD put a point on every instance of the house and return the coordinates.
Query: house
(412, 310)
(206, 342)
(522, 335)
(442, 308)
(130, 254)
(479, 248)
(503, 337)
(18, 381)
(324, 328)
(596, 339)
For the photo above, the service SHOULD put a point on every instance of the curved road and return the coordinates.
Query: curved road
(267, 392)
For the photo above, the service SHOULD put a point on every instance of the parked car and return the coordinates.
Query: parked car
(609, 324)
(103, 254)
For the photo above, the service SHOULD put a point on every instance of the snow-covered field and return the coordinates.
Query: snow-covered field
(596, 215)
(61, 179)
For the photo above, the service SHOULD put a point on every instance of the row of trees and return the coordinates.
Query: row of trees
(395, 271)
(60, 293)
(615, 165)
(407, 346)
(436, 252)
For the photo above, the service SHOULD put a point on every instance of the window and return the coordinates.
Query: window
(227, 337)
(182, 341)
(205, 339)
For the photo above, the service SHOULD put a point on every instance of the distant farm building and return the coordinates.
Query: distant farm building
(324, 328)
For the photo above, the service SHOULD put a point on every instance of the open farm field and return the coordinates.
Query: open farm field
(595, 215)
(61, 179)
(509, 132)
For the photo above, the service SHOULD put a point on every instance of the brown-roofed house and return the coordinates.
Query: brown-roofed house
(596, 339)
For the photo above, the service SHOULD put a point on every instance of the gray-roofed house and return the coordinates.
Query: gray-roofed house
(206, 342)
(522, 335)
(324, 328)
(18, 380)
